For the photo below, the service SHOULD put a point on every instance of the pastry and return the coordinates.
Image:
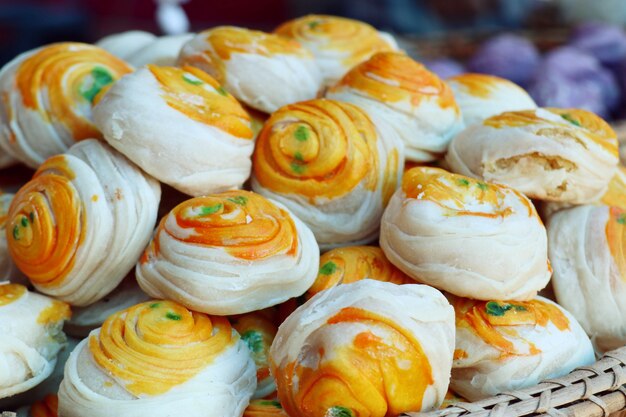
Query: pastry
(163, 50)
(565, 155)
(508, 345)
(158, 359)
(125, 44)
(31, 327)
(369, 348)
(329, 164)
(8, 271)
(158, 118)
(588, 255)
(79, 226)
(481, 96)
(258, 331)
(355, 263)
(263, 70)
(229, 253)
(337, 43)
(397, 91)
(86, 319)
(467, 237)
(47, 96)
(46, 407)
(264, 408)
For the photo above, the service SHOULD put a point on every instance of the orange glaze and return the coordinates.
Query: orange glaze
(451, 398)
(227, 40)
(371, 376)
(258, 332)
(48, 407)
(615, 195)
(199, 96)
(454, 192)
(243, 223)
(317, 149)
(356, 40)
(482, 85)
(616, 237)
(60, 80)
(390, 181)
(57, 311)
(496, 322)
(391, 77)
(264, 408)
(10, 293)
(580, 125)
(155, 346)
(47, 224)
(354, 263)
(459, 354)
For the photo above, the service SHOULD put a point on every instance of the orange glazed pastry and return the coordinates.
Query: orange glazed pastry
(337, 43)
(31, 327)
(181, 126)
(263, 70)
(467, 237)
(400, 93)
(369, 348)
(329, 164)
(46, 407)
(587, 250)
(229, 253)
(508, 345)
(8, 271)
(481, 96)
(46, 96)
(563, 155)
(159, 359)
(258, 331)
(79, 226)
(264, 408)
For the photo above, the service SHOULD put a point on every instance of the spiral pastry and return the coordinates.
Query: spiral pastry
(400, 93)
(563, 155)
(508, 345)
(262, 70)
(229, 253)
(354, 263)
(141, 48)
(258, 332)
(329, 164)
(79, 226)
(587, 251)
(31, 327)
(46, 96)
(369, 348)
(439, 226)
(264, 408)
(8, 271)
(180, 126)
(481, 96)
(160, 359)
(46, 407)
(337, 43)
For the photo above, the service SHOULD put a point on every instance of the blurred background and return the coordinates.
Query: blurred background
(527, 41)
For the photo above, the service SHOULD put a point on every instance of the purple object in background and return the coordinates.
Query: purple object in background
(569, 77)
(508, 56)
(444, 67)
(604, 41)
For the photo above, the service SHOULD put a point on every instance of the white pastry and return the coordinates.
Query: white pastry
(125, 44)
(509, 345)
(589, 260)
(158, 359)
(157, 117)
(481, 96)
(403, 95)
(369, 348)
(46, 98)
(263, 70)
(565, 155)
(8, 271)
(79, 226)
(163, 50)
(330, 165)
(229, 253)
(467, 237)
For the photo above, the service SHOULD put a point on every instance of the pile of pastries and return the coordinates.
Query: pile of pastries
(302, 223)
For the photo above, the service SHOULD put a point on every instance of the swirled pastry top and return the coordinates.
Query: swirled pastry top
(47, 96)
(264, 408)
(337, 43)
(481, 96)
